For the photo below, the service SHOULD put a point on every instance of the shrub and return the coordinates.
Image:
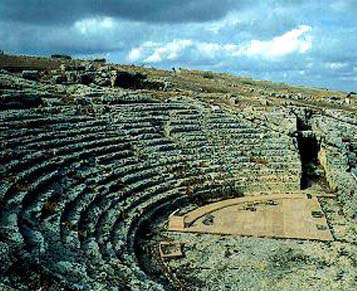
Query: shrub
(208, 75)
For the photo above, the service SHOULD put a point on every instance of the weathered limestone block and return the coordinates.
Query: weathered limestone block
(31, 75)
(58, 79)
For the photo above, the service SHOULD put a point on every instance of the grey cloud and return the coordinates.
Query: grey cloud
(66, 12)
(47, 26)
(37, 40)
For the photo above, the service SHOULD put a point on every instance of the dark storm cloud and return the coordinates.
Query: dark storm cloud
(238, 36)
(67, 11)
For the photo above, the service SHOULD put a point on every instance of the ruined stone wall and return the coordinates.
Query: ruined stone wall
(337, 135)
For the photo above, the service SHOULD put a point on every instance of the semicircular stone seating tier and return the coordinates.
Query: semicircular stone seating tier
(74, 186)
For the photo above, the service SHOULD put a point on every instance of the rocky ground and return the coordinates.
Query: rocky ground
(95, 156)
(216, 262)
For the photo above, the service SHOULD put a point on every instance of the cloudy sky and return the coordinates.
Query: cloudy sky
(306, 42)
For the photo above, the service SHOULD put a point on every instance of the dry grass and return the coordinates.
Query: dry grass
(19, 63)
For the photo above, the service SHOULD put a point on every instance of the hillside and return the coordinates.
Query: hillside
(98, 160)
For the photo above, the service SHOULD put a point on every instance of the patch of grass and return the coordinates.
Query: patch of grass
(207, 75)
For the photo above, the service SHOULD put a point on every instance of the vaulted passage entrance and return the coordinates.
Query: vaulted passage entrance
(309, 149)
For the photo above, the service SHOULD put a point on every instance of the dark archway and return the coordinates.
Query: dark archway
(309, 148)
